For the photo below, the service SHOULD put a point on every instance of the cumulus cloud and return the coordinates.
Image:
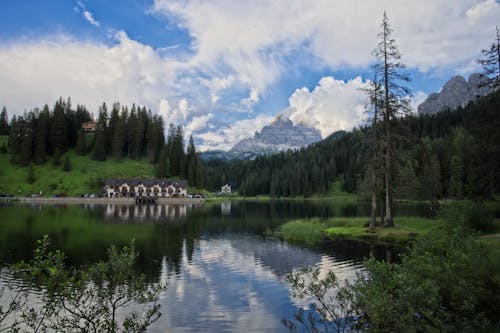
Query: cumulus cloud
(252, 37)
(88, 16)
(331, 106)
(238, 51)
(33, 73)
(226, 137)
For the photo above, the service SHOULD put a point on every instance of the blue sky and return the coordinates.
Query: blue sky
(225, 68)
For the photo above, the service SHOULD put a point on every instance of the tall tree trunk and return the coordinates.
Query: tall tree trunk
(388, 152)
(373, 216)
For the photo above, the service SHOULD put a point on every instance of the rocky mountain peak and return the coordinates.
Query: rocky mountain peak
(456, 92)
(282, 134)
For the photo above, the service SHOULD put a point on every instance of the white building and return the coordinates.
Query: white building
(131, 188)
(226, 189)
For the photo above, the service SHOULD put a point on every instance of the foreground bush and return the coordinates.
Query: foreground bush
(89, 299)
(448, 282)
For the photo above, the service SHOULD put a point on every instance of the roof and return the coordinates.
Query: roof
(111, 182)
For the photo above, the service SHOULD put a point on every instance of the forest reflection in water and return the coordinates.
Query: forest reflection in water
(224, 272)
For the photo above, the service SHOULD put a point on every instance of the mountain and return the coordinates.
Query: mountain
(282, 134)
(456, 92)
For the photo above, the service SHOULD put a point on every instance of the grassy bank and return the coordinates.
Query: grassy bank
(82, 178)
(314, 230)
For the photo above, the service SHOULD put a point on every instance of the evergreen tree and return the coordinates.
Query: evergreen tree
(14, 142)
(373, 150)
(26, 149)
(4, 122)
(456, 185)
(393, 77)
(430, 183)
(99, 145)
(163, 169)
(58, 130)
(42, 130)
(81, 143)
(490, 61)
(191, 162)
(131, 126)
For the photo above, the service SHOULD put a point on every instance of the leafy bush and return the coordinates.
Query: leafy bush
(448, 282)
(472, 215)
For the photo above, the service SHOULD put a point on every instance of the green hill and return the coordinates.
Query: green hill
(84, 177)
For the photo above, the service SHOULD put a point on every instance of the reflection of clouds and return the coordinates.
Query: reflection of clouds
(234, 285)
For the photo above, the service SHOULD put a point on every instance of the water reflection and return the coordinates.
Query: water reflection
(235, 284)
(224, 275)
(158, 212)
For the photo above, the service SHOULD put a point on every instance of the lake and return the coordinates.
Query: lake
(224, 273)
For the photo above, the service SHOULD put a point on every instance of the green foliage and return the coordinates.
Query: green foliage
(330, 308)
(90, 299)
(309, 232)
(471, 215)
(448, 282)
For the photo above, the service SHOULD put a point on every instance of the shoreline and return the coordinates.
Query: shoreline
(79, 200)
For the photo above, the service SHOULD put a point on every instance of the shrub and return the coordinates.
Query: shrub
(472, 215)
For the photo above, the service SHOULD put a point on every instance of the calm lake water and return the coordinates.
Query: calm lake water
(224, 274)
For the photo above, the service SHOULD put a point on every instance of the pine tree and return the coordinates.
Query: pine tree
(191, 162)
(58, 130)
(42, 130)
(4, 122)
(81, 143)
(490, 61)
(163, 169)
(99, 145)
(373, 163)
(395, 101)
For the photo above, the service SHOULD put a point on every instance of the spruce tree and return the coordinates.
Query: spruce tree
(58, 130)
(490, 61)
(42, 130)
(81, 143)
(4, 122)
(393, 78)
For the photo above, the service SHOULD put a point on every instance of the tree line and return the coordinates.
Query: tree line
(451, 154)
(43, 134)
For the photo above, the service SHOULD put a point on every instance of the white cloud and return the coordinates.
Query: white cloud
(226, 137)
(33, 73)
(238, 51)
(417, 99)
(88, 16)
(253, 37)
(331, 106)
(199, 122)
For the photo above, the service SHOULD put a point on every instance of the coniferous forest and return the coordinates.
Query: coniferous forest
(43, 136)
(451, 154)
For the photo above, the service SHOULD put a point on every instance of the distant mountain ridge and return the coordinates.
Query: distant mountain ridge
(281, 135)
(456, 92)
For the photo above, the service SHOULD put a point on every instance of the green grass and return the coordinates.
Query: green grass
(309, 232)
(313, 230)
(81, 179)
